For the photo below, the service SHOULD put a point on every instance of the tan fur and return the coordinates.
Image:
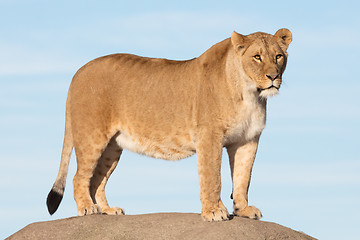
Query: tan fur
(171, 110)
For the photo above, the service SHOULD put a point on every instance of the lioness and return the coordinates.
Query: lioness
(170, 110)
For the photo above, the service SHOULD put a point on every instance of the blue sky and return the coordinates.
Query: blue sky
(306, 175)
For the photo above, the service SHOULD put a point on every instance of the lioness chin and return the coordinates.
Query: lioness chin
(172, 110)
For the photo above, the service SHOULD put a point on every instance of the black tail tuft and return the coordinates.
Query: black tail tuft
(53, 201)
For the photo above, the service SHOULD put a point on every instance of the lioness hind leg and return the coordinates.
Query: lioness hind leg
(106, 165)
(88, 153)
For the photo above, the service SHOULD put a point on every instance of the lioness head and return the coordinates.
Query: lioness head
(263, 58)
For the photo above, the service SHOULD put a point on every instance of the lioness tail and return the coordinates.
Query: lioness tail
(55, 195)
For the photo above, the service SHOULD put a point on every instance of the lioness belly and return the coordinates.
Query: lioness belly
(167, 149)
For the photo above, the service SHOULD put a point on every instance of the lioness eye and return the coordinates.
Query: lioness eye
(257, 57)
(278, 56)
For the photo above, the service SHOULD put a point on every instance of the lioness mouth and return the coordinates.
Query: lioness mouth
(263, 89)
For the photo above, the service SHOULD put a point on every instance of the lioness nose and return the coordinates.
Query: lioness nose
(272, 77)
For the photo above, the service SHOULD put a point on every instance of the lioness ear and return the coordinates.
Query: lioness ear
(285, 36)
(238, 41)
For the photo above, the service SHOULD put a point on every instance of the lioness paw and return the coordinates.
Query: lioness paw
(249, 212)
(113, 211)
(89, 210)
(215, 215)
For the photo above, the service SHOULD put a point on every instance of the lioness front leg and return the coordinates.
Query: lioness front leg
(209, 152)
(241, 157)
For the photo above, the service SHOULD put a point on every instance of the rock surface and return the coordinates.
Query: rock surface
(155, 226)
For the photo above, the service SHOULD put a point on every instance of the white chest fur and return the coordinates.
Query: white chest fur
(248, 122)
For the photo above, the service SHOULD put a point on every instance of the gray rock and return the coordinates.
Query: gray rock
(155, 226)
